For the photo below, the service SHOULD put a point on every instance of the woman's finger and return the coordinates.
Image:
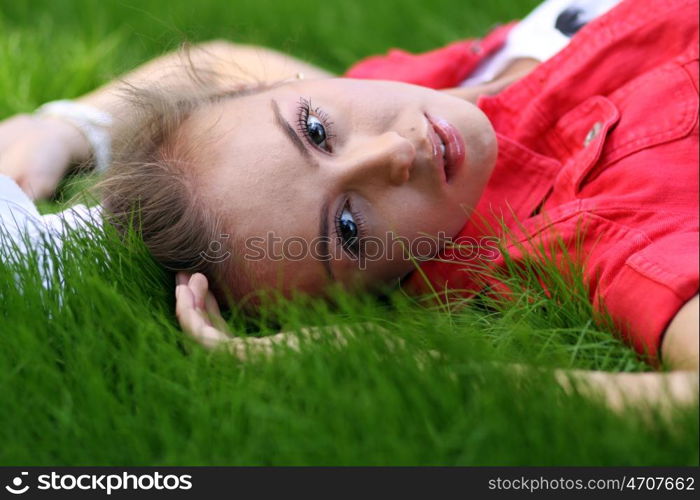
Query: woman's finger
(199, 286)
(210, 337)
(191, 319)
(194, 321)
(205, 301)
(184, 306)
(214, 313)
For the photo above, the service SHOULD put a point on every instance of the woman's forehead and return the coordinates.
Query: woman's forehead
(254, 177)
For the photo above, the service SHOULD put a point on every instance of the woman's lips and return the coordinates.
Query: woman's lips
(448, 146)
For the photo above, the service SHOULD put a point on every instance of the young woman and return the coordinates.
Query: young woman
(585, 133)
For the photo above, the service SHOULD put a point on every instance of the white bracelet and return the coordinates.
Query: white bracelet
(93, 123)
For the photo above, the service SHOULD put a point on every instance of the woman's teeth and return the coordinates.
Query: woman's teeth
(442, 149)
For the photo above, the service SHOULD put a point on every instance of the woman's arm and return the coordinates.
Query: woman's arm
(652, 393)
(679, 348)
(228, 64)
(36, 151)
(679, 353)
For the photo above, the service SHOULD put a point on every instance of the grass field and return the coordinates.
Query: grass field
(97, 372)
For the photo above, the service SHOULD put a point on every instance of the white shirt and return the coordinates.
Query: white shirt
(537, 35)
(23, 230)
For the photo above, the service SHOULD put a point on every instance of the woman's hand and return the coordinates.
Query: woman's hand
(36, 152)
(199, 316)
(197, 310)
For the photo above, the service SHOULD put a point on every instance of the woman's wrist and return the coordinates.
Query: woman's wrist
(74, 139)
(85, 129)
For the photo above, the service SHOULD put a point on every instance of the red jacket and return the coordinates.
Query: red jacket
(598, 147)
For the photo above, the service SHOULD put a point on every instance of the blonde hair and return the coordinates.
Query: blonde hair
(152, 187)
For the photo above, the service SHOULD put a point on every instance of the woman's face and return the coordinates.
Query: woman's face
(337, 180)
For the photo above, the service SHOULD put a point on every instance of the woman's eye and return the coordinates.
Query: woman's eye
(348, 231)
(314, 125)
(316, 131)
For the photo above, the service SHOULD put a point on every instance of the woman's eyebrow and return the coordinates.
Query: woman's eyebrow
(291, 133)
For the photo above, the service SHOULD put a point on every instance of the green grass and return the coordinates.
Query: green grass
(97, 372)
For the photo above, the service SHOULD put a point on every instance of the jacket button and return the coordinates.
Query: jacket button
(592, 133)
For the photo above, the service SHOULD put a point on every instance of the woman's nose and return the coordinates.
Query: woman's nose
(388, 157)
